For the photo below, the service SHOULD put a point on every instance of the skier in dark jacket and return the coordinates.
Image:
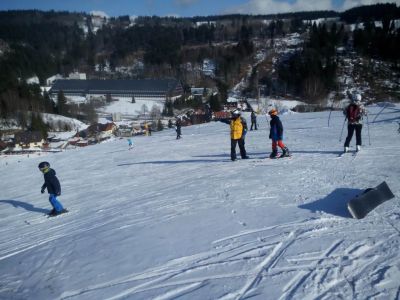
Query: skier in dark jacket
(53, 188)
(276, 135)
(238, 131)
(253, 118)
(178, 125)
(354, 114)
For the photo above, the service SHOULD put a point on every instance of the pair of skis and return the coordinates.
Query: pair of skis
(52, 215)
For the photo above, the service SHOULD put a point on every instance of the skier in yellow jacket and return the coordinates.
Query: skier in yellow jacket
(238, 131)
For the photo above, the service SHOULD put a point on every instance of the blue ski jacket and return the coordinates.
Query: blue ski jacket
(276, 129)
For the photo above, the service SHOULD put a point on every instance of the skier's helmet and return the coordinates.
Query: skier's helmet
(357, 97)
(43, 166)
(236, 113)
(273, 112)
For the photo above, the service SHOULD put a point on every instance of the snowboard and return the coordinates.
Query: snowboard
(364, 203)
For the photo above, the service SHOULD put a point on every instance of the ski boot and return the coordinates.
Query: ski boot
(346, 149)
(285, 152)
(358, 148)
(273, 154)
(54, 213)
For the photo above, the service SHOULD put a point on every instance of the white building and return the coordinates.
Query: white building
(50, 80)
(76, 75)
(33, 80)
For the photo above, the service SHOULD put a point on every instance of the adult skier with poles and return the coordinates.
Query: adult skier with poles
(354, 113)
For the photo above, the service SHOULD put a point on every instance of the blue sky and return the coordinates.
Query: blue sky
(186, 8)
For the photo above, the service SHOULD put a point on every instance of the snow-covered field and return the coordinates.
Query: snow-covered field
(176, 219)
(126, 107)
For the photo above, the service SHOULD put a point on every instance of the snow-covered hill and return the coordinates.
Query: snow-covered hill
(176, 219)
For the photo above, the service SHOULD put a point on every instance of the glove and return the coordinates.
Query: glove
(42, 191)
(58, 194)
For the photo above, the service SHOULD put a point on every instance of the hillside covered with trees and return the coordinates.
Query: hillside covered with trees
(42, 44)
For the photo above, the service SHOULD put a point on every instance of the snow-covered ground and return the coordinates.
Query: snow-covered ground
(176, 219)
(126, 107)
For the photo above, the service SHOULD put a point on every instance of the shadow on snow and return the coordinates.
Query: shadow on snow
(163, 162)
(228, 155)
(335, 203)
(316, 152)
(24, 205)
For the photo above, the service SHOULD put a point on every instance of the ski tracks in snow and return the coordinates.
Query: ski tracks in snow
(247, 264)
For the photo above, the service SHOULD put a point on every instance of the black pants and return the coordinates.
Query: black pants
(350, 131)
(255, 125)
(240, 142)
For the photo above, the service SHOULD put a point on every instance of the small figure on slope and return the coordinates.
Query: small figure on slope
(53, 188)
(238, 132)
(276, 135)
(354, 113)
(178, 125)
(253, 120)
(130, 144)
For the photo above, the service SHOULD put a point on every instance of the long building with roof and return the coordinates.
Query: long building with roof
(140, 89)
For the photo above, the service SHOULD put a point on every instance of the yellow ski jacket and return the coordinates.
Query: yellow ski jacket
(238, 126)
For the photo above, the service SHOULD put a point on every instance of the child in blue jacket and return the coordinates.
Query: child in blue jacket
(53, 188)
(276, 135)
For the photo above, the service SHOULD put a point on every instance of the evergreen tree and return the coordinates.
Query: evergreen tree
(3, 109)
(37, 124)
(168, 108)
(22, 117)
(62, 106)
(215, 105)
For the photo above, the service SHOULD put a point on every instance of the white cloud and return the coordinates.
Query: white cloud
(275, 6)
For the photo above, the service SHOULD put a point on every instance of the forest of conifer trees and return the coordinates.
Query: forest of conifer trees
(47, 43)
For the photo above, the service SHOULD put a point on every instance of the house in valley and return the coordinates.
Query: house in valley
(28, 140)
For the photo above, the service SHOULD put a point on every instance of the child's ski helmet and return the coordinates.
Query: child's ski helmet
(44, 165)
(357, 97)
(236, 113)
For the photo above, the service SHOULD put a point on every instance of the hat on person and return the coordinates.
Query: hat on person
(273, 112)
(357, 98)
(236, 112)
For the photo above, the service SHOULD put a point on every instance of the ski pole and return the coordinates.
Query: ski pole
(369, 137)
(341, 133)
(330, 112)
(373, 121)
(266, 117)
(329, 118)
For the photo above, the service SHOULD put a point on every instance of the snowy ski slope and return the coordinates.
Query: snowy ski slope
(176, 219)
